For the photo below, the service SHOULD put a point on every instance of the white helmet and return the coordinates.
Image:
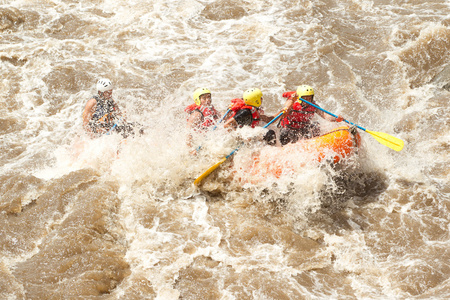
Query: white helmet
(104, 85)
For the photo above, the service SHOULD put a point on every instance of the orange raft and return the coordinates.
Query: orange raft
(333, 146)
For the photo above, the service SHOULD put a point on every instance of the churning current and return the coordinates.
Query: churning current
(114, 218)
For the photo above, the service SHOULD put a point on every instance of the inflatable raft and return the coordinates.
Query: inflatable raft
(333, 146)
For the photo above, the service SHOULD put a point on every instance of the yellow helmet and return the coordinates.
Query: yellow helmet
(253, 97)
(305, 90)
(198, 92)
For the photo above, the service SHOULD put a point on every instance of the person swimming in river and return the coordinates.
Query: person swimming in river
(102, 115)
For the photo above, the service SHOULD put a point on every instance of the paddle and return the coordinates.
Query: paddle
(383, 138)
(114, 126)
(220, 121)
(215, 166)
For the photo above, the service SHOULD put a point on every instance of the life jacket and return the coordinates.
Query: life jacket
(104, 115)
(299, 116)
(239, 104)
(209, 114)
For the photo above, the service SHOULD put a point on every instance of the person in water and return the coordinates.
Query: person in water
(247, 111)
(201, 114)
(297, 123)
(101, 114)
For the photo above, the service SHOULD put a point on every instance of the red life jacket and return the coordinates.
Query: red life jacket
(209, 114)
(239, 104)
(299, 116)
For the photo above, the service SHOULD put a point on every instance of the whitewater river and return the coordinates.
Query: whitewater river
(104, 218)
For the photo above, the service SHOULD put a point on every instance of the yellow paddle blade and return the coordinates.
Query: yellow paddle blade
(387, 140)
(209, 171)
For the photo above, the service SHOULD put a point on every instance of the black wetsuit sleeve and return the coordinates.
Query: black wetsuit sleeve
(244, 117)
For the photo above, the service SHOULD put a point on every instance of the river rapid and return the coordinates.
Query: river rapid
(103, 218)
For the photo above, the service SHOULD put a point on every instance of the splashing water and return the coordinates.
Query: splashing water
(113, 219)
